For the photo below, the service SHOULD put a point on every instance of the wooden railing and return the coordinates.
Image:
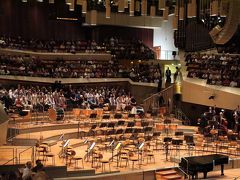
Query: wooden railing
(231, 25)
(152, 102)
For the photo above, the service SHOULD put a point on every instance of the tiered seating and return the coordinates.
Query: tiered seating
(216, 69)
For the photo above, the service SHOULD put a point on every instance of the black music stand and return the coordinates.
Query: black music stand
(167, 141)
(140, 151)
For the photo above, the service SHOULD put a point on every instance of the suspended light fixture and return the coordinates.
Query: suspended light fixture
(121, 6)
(175, 22)
(82, 3)
(125, 3)
(189, 9)
(24, 1)
(144, 8)
(165, 13)
(181, 13)
(108, 8)
(93, 17)
(68, 2)
(153, 11)
(131, 9)
(137, 6)
(214, 8)
(84, 6)
(161, 5)
(72, 5)
(194, 8)
(224, 8)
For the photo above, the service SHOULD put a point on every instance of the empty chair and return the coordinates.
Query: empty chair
(144, 123)
(106, 116)
(131, 124)
(120, 123)
(111, 125)
(118, 116)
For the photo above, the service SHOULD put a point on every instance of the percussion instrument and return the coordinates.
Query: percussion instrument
(56, 114)
(60, 114)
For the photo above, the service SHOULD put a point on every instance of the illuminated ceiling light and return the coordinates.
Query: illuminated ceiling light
(121, 6)
(72, 5)
(108, 8)
(131, 9)
(152, 11)
(68, 2)
(51, 1)
(165, 14)
(39, 0)
(214, 8)
(161, 4)
(144, 8)
(24, 1)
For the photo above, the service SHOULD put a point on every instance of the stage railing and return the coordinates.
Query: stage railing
(186, 174)
(152, 102)
(12, 158)
(15, 156)
(25, 150)
(179, 114)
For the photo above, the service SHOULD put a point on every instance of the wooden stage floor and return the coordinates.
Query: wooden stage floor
(50, 131)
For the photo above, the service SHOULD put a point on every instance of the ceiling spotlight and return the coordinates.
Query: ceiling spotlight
(39, 0)
(24, 0)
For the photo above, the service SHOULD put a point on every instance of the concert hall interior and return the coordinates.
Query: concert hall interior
(119, 89)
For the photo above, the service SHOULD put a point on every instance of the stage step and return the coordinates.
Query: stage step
(169, 174)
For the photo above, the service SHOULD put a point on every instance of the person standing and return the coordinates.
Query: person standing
(168, 74)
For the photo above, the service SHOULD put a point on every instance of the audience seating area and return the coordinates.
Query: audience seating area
(58, 68)
(121, 49)
(217, 69)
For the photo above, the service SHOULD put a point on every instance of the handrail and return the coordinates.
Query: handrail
(167, 95)
(8, 161)
(13, 155)
(184, 172)
(32, 156)
(179, 114)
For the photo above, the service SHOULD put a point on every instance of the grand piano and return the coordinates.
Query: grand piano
(193, 165)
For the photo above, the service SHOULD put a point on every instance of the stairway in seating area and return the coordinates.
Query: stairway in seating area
(168, 174)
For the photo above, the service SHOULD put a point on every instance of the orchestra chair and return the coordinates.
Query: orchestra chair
(132, 116)
(106, 116)
(189, 143)
(49, 154)
(160, 127)
(172, 128)
(82, 114)
(118, 116)
(92, 130)
(214, 133)
(103, 162)
(149, 155)
(99, 112)
(232, 147)
(77, 158)
(133, 158)
(76, 113)
(123, 156)
(216, 146)
(25, 114)
(40, 150)
(93, 116)
(199, 146)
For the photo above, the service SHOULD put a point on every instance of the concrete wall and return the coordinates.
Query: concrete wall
(164, 37)
(224, 97)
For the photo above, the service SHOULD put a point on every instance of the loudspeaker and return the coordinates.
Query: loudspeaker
(211, 97)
